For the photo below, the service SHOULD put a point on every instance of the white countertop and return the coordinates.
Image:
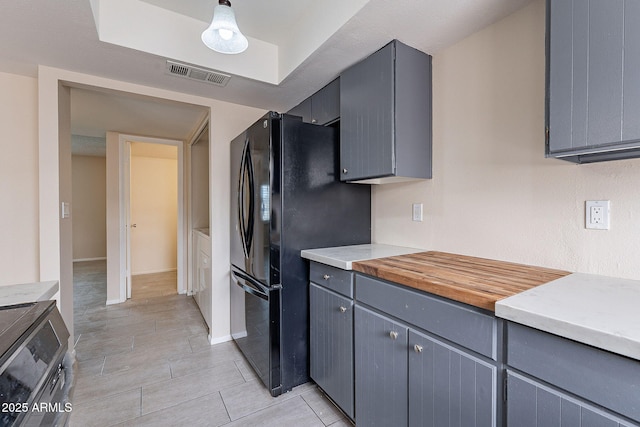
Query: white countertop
(343, 256)
(27, 292)
(600, 311)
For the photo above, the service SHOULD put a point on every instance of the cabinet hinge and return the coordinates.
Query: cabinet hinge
(504, 389)
(546, 136)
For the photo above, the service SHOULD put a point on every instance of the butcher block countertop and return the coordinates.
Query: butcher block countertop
(475, 281)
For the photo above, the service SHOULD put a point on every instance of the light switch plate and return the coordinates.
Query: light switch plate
(597, 214)
(417, 212)
(65, 210)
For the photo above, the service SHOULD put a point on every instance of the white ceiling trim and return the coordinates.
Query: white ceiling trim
(148, 28)
(142, 26)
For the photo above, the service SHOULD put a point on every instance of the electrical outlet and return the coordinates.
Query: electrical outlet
(597, 214)
(417, 212)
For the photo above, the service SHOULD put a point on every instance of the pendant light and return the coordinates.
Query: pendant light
(223, 35)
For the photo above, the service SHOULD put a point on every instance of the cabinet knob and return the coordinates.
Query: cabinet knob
(344, 171)
(393, 335)
(314, 121)
(326, 277)
(417, 348)
(343, 309)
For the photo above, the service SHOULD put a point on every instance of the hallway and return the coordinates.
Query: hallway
(148, 362)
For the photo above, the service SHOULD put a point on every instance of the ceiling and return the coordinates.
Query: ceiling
(265, 20)
(63, 34)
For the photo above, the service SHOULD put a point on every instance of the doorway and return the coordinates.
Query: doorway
(153, 214)
(152, 217)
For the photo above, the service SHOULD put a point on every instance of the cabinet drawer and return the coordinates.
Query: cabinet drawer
(340, 281)
(605, 378)
(453, 321)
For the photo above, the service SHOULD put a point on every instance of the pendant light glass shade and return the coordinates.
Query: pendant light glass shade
(223, 35)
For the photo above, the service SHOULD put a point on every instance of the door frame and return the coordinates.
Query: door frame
(125, 212)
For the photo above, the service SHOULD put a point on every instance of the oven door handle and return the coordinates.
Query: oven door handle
(249, 285)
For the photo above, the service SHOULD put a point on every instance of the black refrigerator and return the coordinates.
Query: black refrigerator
(286, 196)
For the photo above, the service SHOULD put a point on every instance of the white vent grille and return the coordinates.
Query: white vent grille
(198, 74)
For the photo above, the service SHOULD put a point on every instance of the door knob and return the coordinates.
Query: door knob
(134, 225)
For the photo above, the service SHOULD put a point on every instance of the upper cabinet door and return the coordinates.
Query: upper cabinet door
(367, 117)
(385, 116)
(593, 79)
(302, 110)
(325, 104)
(321, 108)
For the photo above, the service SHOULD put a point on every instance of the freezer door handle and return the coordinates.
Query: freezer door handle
(248, 284)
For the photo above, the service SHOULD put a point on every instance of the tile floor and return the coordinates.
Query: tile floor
(147, 362)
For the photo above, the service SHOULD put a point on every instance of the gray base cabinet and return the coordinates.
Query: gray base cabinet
(408, 376)
(381, 370)
(331, 333)
(331, 326)
(593, 80)
(532, 404)
(553, 381)
(448, 387)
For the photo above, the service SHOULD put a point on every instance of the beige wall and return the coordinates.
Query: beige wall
(19, 179)
(493, 194)
(154, 210)
(89, 188)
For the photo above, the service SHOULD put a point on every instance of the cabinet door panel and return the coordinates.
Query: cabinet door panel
(631, 82)
(302, 110)
(560, 74)
(367, 121)
(594, 79)
(331, 323)
(531, 404)
(606, 22)
(325, 104)
(380, 369)
(447, 387)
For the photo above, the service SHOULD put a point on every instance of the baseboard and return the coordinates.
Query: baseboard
(218, 340)
(140, 273)
(114, 301)
(104, 258)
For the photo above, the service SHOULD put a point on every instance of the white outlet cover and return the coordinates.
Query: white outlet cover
(597, 214)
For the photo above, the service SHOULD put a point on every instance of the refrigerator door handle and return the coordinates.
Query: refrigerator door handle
(248, 284)
(246, 218)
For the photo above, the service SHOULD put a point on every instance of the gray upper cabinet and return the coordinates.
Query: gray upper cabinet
(593, 80)
(302, 110)
(385, 116)
(321, 108)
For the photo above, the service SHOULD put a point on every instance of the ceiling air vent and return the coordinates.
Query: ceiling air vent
(195, 73)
